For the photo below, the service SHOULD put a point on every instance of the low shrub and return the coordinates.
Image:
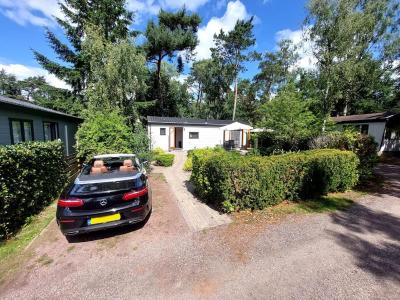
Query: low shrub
(31, 176)
(165, 159)
(362, 145)
(200, 152)
(234, 182)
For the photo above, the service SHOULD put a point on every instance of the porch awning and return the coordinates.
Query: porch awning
(237, 126)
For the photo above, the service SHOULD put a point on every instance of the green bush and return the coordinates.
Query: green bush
(233, 182)
(104, 133)
(164, 159)
(200, 152)
(363, 145)
(31, 176)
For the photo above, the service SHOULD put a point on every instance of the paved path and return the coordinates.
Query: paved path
(354, 254)
(198, 215)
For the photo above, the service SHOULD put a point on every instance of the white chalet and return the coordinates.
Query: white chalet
(170, 133)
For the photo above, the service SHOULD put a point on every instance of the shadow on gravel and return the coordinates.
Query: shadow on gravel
(381, 258)
(107, 233)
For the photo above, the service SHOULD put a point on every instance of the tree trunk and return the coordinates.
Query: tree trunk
(235, 100)
(159, 84)
(326, 106)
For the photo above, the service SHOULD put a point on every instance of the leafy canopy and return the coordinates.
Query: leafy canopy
(288, 116)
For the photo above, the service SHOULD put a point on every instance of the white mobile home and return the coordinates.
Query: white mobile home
(182, 133)
(384, 127)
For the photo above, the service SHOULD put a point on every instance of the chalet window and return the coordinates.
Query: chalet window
(162, 131)
(50, 131)
(193, 135)
(364, 129)
(21, 131)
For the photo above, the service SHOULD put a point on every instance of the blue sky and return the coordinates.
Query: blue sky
(22, 26)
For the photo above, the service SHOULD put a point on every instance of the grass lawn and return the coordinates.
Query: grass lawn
(329, 203)
(12, 250)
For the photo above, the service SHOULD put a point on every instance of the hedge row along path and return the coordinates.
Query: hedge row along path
(197, 215)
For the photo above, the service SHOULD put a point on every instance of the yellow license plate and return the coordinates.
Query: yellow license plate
(105, 219)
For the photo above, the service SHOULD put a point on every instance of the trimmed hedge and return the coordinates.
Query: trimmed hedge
(164, 159)
(364, 146)
(200, 152)
(31, 176)
(234, 182)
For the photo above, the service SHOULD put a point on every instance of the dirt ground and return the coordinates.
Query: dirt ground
(353, 254)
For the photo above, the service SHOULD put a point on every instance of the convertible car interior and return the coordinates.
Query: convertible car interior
(112, 165)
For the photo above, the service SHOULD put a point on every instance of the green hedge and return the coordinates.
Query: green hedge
(233, 182)
(31, 176)
(200, 152)
(164, 159)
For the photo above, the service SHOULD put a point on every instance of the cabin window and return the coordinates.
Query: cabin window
(21, 131)
(364, 129)
(50, 131)
(193, 135)
(162, 131)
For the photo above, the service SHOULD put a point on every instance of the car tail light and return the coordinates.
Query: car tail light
(135, 194)
(67, 221)
(72, 202)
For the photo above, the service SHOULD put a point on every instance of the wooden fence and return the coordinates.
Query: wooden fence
(73, 167)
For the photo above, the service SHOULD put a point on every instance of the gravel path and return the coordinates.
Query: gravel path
(198, 215)
(354, 254)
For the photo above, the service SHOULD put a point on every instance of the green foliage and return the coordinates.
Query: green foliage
(118, 73)
(107, 132)
(32, 175)
(200, 153)
(9, 84)
(275, 69)
(234, 182)
(164, 159)
(110, 17)
(231, 51)
(174, 32)
(210, 80)
(363, 146)
(354, 44)
(288, 118)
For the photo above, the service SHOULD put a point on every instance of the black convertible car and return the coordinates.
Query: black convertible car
(112, 190)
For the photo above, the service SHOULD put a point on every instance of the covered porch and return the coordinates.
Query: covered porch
(236, 136)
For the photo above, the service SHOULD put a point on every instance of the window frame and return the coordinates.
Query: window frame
(194, 132)
(361, 128)
(21, 122)
(56, 131)
(163, 129)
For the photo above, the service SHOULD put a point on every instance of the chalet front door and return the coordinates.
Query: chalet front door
(172, 137)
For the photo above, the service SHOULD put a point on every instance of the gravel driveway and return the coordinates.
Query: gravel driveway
(197, 215)
(346, 255)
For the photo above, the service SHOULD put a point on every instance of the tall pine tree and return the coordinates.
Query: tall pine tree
(174, 32)
(109, 16)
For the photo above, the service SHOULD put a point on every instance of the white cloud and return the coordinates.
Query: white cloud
(142, 7)
(234, 11)
(152, 7)
(298, 37)
(36, 12)
(23, 71)
(189, 4)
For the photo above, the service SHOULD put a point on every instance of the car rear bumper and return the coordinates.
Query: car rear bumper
(79, 225)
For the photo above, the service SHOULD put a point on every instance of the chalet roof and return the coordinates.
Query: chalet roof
(188, 121)
(29, 105)
(373, 117)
